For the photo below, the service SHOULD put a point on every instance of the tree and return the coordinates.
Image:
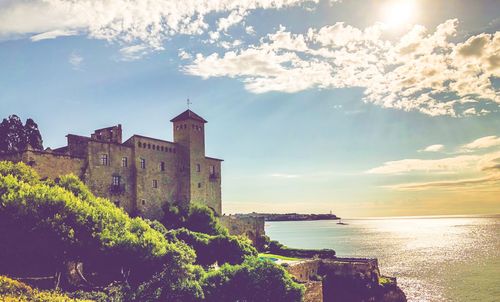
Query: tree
(32, 135)
(14, 136)
(194, 217)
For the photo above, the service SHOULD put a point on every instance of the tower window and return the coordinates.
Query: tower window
(155, 183)
(116, 180)
(124, 162)
(162, 166)
(162, 148)
(198, 168)
(143, 202)
(104, 159)
(143, 163)
(199, 185)
(212, 169)
(149, 146)
(139, 144)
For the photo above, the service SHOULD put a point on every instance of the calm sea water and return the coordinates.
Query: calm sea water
(433, 258)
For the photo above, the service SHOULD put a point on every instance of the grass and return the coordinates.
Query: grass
(278, 257)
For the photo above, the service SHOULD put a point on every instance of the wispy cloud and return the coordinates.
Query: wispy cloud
(481, 143)
(433, 148)
(448, 184)
(53, 34)
(75, 60)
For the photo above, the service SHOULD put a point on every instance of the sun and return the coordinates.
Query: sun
(397, 13)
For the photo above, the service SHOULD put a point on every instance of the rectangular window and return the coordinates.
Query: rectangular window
(124, 162)
(199, 185)
(104, 159)
(143, 163)
(198, 167)
(212, 169)
(143, 202)
(155, 183)
(162, 166)
(116, 180)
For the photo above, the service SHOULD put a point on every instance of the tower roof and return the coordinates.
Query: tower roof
(186, 115)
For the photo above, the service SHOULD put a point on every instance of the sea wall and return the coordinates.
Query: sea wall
(345, 279)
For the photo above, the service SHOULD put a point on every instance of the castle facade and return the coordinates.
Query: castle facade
(141, 174)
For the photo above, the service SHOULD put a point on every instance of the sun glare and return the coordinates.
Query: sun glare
(398, 13)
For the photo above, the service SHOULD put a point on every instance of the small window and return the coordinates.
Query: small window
(162, 166)
(199, 185)
(149, 146)
(104, 159)
(162, 148)
(155, 183)
(143, 163)
(124, 162)
(116, 180)
(198, 168)
(212, 169)
(143, 202)
(117, 203)
(139, 144)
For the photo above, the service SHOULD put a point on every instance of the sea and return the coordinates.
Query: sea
(446, 258)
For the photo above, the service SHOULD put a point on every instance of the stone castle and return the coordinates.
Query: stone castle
(141, 174)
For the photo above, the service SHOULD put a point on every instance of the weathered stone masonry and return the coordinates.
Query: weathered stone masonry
(141, 174)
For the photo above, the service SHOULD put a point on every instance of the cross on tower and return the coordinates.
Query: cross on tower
(188, 103)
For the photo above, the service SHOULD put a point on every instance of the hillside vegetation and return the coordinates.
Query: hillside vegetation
(44, 225)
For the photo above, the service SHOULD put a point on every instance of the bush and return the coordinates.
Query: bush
(195, 217)
(254, 280)
(12, 290)
(216, 249)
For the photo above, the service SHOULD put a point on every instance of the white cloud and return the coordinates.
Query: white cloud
(420, 71)
(76, 61)
(184, 55)
(134, 52)
(53, 34)
(481, 143)
(432, 148)
(129, 22)
(250, 30)
(444, 165)
(235, 17)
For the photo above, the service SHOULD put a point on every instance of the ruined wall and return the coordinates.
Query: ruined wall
(252, 227)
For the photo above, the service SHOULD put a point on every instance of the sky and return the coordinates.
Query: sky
(359, 107)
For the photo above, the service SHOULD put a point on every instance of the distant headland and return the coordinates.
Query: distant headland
(290, 216)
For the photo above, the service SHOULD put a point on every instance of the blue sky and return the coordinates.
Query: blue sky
(365, 108)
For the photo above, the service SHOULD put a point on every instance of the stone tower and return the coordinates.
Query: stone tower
(189, 135)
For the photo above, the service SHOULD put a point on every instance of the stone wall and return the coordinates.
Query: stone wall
(304, 270)
(252, 227)
(314, 291)
(48, 164)
(157, 183)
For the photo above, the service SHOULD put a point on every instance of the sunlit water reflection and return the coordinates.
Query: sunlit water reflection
(434, 258)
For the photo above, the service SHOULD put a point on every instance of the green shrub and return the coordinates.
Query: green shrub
(195, 217)
(12, 290)
(216, 249)
(254, 280)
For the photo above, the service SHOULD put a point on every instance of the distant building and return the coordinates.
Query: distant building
(141, 174)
